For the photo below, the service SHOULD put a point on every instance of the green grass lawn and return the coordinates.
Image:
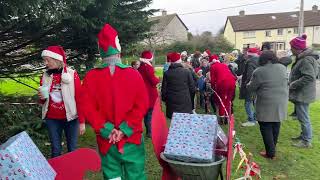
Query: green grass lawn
(10, 87)
(292, 163)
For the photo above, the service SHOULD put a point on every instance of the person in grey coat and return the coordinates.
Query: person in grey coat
(302, 87)
(270, 84)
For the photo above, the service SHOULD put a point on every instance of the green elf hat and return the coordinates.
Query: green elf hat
(108, 41)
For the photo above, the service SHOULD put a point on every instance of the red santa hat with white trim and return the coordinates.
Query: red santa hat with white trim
(174, 57)
(253, 52)
(57, 53)
(206, 53)
(146, 57)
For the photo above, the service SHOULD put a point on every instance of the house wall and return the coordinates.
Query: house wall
(260, 37)
(229, 33)
(175, 31)
(316, 37)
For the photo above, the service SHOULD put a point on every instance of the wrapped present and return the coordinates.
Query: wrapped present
(192, 138)
(222, 139)
(21, 159)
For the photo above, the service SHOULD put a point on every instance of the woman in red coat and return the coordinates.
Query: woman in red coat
(224, 83)
(150, 80)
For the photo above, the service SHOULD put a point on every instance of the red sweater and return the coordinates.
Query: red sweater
(121, 97)
(151, 81)
(56, 108)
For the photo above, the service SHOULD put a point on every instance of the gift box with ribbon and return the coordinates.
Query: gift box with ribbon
(21, 159)
(192, 138)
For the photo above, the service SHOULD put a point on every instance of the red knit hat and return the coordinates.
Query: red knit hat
(299, 43)
(213, 57)
(253, 52)
(174, 57)
(207, 53)
(108, 41)
(57, 52)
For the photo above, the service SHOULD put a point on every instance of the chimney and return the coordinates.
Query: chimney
(164, 12)
(242, 13)
(314, 8)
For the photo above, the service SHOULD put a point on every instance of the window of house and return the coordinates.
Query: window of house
(249, 34)
(280, 46)
(280, 32)
(250, 45)
(296, 30)
(268, 33)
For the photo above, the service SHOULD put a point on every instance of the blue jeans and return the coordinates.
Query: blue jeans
(302, 110)
(147, 121)
(249, 106)
(55, 128)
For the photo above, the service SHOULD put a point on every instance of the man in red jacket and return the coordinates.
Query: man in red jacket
(150, 80)
(117, 101)
(224, 83)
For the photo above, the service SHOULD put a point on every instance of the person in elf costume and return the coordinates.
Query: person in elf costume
(117, 101)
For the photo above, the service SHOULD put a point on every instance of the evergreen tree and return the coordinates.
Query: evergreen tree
(26, 27)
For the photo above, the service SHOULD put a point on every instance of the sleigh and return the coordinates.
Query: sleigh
(74, 165)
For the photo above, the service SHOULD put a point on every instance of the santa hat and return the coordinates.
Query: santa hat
(299, 43)
(207, 53)
(253, 52)
(57, 53)
(108, 41)
(174, 57)
(146, 57)
(197, 70)
(214, 58)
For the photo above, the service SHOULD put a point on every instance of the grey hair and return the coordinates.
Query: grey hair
(112, 60)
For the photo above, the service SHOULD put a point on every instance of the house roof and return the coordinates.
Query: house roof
(161, 22)
(273, 20)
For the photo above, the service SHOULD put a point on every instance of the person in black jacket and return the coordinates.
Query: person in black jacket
(177, 87)
(250, 65)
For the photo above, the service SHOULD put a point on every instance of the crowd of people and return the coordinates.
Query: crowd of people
(114, 98)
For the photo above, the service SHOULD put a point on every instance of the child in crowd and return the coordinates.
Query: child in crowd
(201, 84)
(135, 65)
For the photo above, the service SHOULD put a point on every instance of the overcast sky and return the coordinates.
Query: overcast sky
(215, 20)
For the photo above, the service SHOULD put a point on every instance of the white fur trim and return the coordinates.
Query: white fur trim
(66, 78)
(252, 54)
(118, 178)
(52, 55)
(147, 61)
(178, 61)
(118, 43)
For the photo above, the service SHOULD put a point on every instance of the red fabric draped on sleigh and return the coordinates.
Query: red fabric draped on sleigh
(159, 135)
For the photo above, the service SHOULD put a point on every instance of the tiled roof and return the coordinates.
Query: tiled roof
(161, 22)
(273, 20)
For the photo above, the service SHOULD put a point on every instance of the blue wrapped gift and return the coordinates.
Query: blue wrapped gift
(192, 138)
(21, 159)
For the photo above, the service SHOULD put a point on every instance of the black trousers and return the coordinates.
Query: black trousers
(270, 132)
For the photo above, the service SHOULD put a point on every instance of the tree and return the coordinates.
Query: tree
(26, 27)
(190, 36)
